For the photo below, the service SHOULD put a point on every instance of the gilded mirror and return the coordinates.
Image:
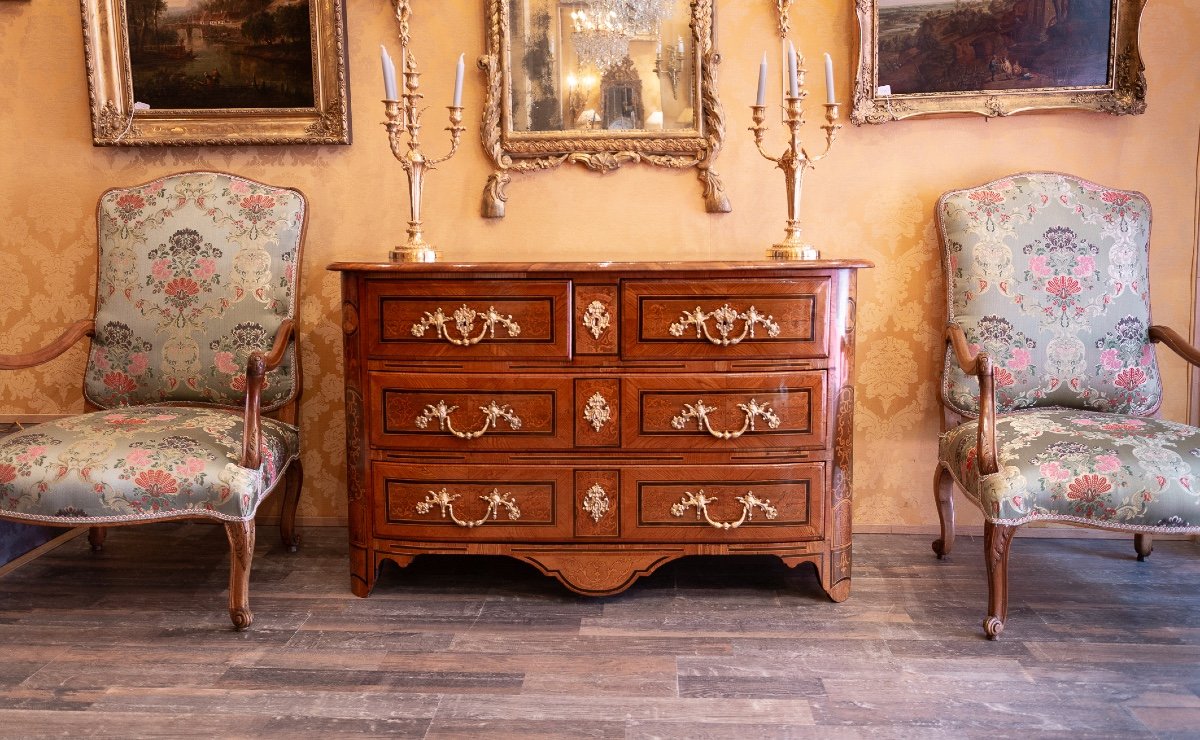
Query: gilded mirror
(601, 83)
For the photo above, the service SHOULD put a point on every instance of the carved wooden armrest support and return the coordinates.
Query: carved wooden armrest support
(257, 367)
(1176, 343)
(979, 365)
(75, 332)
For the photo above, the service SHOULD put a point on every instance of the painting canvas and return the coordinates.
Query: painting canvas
(221, 53)
(997, 56)
(929, 46)
(217, 71)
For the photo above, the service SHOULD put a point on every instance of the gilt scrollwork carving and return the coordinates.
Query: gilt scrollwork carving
(495, 500)
(492, 414)
(700, 411)
(464, 319)
(596, 502)
(597, 411)
(700, 502)
(725, 320)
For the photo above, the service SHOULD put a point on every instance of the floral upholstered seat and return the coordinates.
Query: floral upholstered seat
(1051, 370)
(140, 463)
(192, 344)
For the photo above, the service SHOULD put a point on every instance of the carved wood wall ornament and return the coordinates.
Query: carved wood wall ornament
(600, 151)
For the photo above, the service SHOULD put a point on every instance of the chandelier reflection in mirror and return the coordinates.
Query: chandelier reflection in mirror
(603, 84)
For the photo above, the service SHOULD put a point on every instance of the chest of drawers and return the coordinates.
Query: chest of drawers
(599, 420)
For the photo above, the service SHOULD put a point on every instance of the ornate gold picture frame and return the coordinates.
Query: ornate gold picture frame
(206, 74)
(605, 142)
(996, 58)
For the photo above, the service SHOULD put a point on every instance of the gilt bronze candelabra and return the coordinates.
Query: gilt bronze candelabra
(794, 161)
(404, 122)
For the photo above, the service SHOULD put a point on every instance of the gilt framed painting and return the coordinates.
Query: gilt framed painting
(997, 57)
(216, 72)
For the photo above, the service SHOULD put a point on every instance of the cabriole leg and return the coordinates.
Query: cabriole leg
(943, 492)
(291, 501)
(241, 553)
(96, 537)
(996, 541)
(1144, 544)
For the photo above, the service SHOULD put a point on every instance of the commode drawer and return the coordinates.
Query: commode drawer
(727, 411)
(472, 413)
(725, 319)
(468, 319)
(472, 502)
(726, 503)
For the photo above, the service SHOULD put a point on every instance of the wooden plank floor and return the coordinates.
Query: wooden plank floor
(137, 642)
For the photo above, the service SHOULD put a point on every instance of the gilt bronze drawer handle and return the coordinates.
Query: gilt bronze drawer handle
(464, 320)
(752, 410)
(492, 413)
(445, 501)
(725, 319)
(749, 503)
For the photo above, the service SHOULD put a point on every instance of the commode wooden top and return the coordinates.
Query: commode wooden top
(614, 267)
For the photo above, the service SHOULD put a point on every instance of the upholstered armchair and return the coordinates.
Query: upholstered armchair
(1051, 382)
(192, 376)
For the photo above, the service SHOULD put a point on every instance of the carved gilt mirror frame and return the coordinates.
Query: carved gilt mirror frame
(516, 151)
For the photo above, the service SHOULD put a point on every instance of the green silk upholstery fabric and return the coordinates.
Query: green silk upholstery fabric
(196, 271)
(1081, 466)
(139, 464)
(1047, 273)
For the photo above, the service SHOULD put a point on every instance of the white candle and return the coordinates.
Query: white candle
(830, 98)
(762, 81)
(681, 47)
(389, 74)
(458, 78)
(793, 80)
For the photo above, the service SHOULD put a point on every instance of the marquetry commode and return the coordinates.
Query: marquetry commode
(599, 420)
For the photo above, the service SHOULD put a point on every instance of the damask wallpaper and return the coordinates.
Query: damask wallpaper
(872, 198)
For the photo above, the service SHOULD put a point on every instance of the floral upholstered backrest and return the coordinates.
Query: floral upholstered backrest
(196, 271)
(1047, 273)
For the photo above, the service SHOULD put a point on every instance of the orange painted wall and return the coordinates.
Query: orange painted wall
(872, 198)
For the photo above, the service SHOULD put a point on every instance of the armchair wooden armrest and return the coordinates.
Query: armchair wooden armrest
(257, 367)
(1176, 343)
(75, 332)
(979, 365)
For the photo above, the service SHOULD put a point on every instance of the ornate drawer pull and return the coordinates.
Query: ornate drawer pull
(700, 501)
(492, 413)
(445, 500)
(725, 317)
(464, 321)
(700, 412)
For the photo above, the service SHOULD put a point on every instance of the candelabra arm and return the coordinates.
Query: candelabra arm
(831, 130)
(759, 129)
(456, 130)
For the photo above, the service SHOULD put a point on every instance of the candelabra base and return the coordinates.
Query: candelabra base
(410, 253)
(791, 251)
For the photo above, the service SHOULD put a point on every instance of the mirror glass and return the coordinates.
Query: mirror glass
(601, 65)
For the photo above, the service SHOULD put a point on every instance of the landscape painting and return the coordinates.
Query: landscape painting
(997, 57)
(221, 53)
(933, 46)
(216, 72)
